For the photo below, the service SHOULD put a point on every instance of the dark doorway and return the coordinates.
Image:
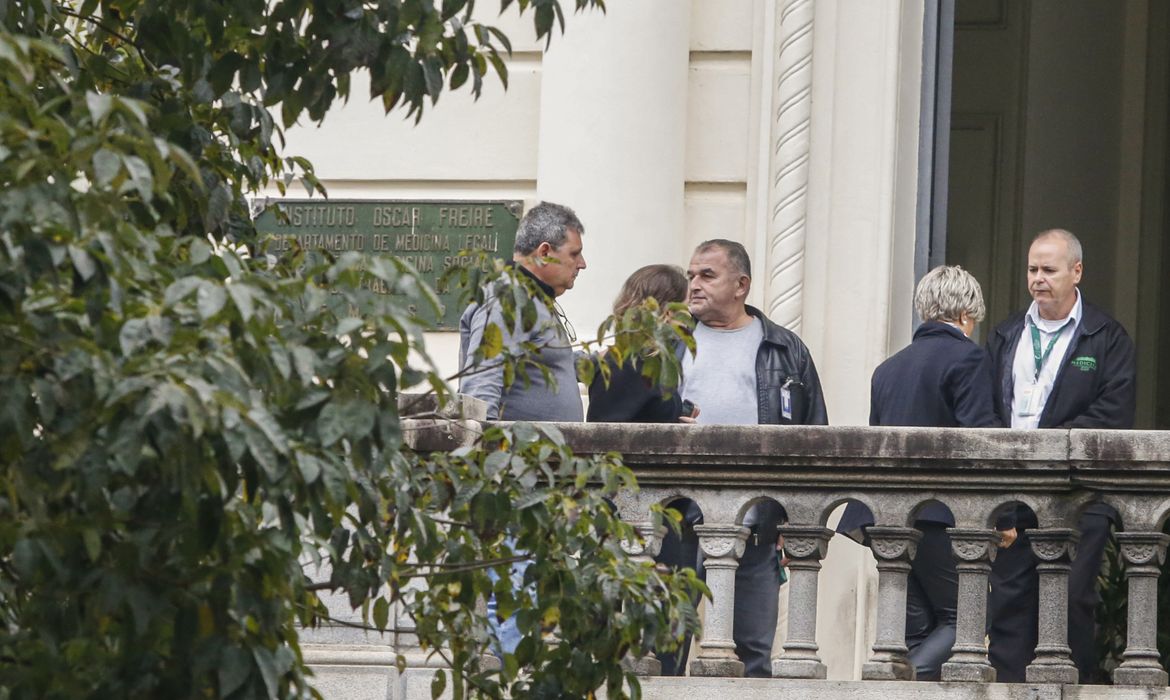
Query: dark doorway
(1059, 119)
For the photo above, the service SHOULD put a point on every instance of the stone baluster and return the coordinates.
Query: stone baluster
(975, 550)
(643, 550)
(722, 547)
(805, 546)
(1055, 548)
(1144, 553)
(894, 548)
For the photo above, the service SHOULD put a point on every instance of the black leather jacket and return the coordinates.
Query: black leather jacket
(783, 360)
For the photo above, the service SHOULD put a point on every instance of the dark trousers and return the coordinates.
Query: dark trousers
(680, 551)
(1014, 604)
(932, 597)
(757, 588)
(757, 591)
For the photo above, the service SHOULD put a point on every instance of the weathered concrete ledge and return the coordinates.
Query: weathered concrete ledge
(416, 685)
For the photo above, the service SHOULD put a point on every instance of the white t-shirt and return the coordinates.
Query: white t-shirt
(720, 378)
(1029, 392)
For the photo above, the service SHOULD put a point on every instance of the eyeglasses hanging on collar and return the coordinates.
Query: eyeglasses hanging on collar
(570, 332)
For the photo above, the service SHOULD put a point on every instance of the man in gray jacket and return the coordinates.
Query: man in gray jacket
(549, 251)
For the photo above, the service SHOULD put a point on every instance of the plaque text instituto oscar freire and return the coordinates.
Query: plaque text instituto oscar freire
(432, 236)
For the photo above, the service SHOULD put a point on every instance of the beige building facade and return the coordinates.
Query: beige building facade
(848, 144)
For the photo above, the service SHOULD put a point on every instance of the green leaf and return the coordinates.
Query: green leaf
(305, 363)
(493, 341)
(98, 105)
(309, 466)
(199, 252)
(93, 543)
(268, 669)
(180, 289)
(140, 176)
(438, 684)
(348, 325)
(381, 613)
(106, 166)
(210, 299)
(433, 73)
(459, 76)
(242, 297)
(217, 207)
(331, 423)
(82, 262)
(134, 334)
(267, 424)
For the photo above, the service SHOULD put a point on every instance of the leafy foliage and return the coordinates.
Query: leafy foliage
(1112, 613)
(190, 427)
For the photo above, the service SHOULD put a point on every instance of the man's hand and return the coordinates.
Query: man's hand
(1007, 537)
(780, 548)
(692, 418)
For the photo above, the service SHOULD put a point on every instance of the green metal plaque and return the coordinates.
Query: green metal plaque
(433, 236)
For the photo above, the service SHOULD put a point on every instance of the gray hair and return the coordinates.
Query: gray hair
(546, 222)
(736, 254)
(944, 293)
(1075, 251)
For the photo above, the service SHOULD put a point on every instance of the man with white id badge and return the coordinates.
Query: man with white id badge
(747, 369)
(1063, 363)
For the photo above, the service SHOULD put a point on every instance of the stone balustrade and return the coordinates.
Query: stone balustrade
(977, 473)
(895, 472)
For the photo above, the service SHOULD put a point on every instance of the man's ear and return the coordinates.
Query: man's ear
(542, 251)
(1078, 268)
(743, 285)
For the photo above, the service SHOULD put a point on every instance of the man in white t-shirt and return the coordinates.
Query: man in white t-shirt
(1063, 363)
(747, 369)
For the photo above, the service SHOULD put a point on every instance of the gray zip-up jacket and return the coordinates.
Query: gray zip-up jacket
(532, 399)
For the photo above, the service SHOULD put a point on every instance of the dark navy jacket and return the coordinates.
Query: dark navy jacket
(1095, 386)
(941, 379)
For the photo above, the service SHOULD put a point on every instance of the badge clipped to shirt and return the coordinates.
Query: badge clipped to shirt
(1030, 401)
(786, 402)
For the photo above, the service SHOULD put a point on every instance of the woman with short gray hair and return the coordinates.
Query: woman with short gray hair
(950, 294)
(942, 379)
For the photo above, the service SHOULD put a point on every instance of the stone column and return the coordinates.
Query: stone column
(612, 140)
(722, 547)
(788, 193)
(805, 546)
(894, 548)
(643, 550)
(1144, 554)
(1055, 548)
(975, 550)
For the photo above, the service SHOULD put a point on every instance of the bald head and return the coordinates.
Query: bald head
(1054, 271)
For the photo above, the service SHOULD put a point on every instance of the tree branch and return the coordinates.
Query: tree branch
(109, 30)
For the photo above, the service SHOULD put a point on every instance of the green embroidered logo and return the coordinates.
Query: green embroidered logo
(1085, 363)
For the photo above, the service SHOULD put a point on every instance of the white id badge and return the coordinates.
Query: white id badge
(1030, 401)
(786, 402)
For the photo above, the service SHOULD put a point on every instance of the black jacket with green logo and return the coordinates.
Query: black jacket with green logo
(1095, 386)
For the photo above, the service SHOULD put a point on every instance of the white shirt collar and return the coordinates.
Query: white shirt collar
(1050, 326)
